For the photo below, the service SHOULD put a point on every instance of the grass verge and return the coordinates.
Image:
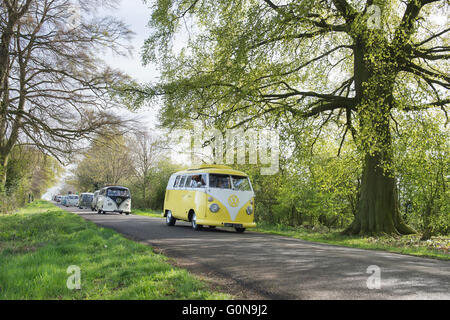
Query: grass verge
(40, 242)
(437, 247)
(147, 213)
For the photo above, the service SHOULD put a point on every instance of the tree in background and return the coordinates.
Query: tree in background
(423, 164)
(135, 160)
(54, 88)
(108, 161)
(30, 172)
(309, 63)
(147, 152)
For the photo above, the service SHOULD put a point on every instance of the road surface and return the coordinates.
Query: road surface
(276, 267)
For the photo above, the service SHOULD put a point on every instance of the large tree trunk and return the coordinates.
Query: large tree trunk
(378, 209)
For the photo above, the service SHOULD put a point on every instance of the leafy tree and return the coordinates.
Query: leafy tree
(30, 172)
(310, 63)
(108, 161)
(423, 163)
(54, 88)
(146, 151)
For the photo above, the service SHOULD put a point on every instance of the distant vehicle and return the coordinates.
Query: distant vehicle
(210, 195)
(114, 199)
(58, 198)
(94, 201)
(85, 200)
(72, 200)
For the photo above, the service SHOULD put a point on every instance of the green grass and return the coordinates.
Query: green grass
(147, 213)
(41, 241)
(437, 247)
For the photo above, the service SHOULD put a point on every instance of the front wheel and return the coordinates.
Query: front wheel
(99, 211)
(195, 226)
(240, 230)
(170, 220)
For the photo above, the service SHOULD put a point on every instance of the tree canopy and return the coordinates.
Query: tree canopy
(349, 65)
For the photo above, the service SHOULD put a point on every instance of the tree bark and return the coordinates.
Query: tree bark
(3, 171)
(378, 208)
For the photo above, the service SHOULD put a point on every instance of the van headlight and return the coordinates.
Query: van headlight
(249, 210)
(214, 208)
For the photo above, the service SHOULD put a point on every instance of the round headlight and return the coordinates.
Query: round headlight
(214, 207)
(249, 210)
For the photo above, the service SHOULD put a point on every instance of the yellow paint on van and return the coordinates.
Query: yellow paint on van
(182, 202)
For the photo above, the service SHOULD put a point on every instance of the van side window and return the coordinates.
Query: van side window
(182, 181)
(176, 181)
(199, 181)
(188, 182)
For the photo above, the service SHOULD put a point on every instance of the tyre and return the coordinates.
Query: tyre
(99, 211)
(195, 226)
(170, 220)
(240, 230)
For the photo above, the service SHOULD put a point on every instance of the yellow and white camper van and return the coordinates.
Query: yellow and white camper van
(210, 195)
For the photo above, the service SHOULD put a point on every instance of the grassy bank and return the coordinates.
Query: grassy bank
(39, 243)
(147, 213)
(437, 247)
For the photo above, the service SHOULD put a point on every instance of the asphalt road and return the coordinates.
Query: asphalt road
(276, 267)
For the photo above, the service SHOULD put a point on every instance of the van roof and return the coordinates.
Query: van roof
(115, 187)
(213, 168)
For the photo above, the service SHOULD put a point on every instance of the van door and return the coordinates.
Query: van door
(177, 199)
(186, 197)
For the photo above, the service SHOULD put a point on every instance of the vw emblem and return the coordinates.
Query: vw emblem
(233, 201)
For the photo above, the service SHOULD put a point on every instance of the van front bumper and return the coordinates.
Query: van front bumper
(206, 222)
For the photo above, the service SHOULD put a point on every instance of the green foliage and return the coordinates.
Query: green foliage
(106, 162)
(423, 163)
(156, 183)
(29, 173)
(307, 68)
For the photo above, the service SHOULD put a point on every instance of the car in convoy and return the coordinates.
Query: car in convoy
(94, 200)
(210, 195)
(114, 199)
(58, 198)
(72, 200)
(85, 200)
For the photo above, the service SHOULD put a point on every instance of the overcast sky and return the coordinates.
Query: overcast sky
(136, 15)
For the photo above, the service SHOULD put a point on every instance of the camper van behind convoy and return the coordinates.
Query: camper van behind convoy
(85, 200)
(113, 199)
(94, 200)
(210, 195)
(71, 200)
